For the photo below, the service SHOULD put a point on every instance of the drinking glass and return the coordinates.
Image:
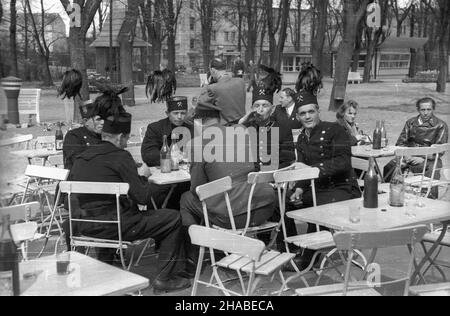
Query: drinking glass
(63, 263)
(355, 214)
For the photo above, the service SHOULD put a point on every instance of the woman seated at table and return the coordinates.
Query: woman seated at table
(346, 117)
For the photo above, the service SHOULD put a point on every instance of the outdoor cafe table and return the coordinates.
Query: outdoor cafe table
(89, 277)
(31, 154)
(173, 179)
(368, 152)
(336, 217)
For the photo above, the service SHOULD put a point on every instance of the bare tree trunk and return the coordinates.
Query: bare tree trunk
(126, 40)
(318, 40)
(444, 26)
(280, 29)
(358, 46)
(374, 39)
(77, 46)
(27, 74)
(251, 8)
(413, 60)
(353, 12)
(206, 12)
(13, 39)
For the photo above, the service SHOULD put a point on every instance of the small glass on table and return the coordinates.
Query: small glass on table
(355, 214)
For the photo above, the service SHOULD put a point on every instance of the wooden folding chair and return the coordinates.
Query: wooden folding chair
(43, 182)
(100, 188)
(23, 229)
(349, 241)
(56, 161)
(421, 180)
(443, 241)
(244, 255)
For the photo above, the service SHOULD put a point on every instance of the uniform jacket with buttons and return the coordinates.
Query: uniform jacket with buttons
(76, 142)
(153, 141)
(423, 134)
(329, 149)
(285, 144)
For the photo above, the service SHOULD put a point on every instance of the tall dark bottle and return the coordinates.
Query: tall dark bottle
(9, 262)
(166, 163)
(371, 186)
(377, 137)
(59, 138)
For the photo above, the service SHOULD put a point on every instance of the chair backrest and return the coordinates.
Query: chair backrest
(15, 140)
(98, 188)
(227, 242)
(214, 188)
(209, 190)
(429, 154)
(45, 141)
(21, 212)
(360, 164)
(351, 241)
(94, 188)
(49, 173)
(29, 100)
(284, 178)
(56, 161)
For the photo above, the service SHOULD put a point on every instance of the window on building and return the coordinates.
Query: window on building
(233, 37)
(192, 44)
(303, 38)
(214, 35)
(294, 63)
(192, 23)
(227, 36)
(226, 15)
(394, 61)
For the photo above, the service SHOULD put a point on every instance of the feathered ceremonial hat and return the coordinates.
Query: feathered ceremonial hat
(109, 103)
(309, 79)
(71, 84)
(161, 86)
(266, 87)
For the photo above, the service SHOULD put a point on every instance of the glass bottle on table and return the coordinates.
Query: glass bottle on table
(59, 138)
(377, 136)
(166, 163)
(397, 186)
(9, 261)
(384, 140)
(371, 186)
(175, 153)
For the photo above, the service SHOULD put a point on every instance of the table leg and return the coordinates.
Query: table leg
(430, 253)
(166, 201)
(378, 170)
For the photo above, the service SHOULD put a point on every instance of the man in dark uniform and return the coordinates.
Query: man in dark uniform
(227, 93)
(177, 108)
(76, 141)
(109, 162)
(326, 146)
(424, 130)
(264, 116)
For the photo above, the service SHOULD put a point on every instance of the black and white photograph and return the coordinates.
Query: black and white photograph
(225, 155)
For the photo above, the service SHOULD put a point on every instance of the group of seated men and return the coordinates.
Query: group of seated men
(96, 153)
